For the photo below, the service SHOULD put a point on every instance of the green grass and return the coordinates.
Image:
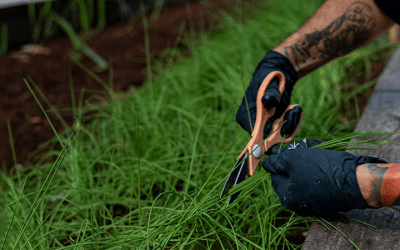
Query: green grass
(80, 47)
(45, 23)
(3, 39)
(146, 173)
(81, 11)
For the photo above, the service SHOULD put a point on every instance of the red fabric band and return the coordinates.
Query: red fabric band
(391, 185)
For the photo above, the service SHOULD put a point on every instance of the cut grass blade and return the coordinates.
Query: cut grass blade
(340, 233)
(359, 221)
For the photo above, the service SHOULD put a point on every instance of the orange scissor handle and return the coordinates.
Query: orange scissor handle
(262, 117)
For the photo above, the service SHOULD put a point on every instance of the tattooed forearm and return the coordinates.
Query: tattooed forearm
(342, 36)
(371, 185)
(379, 184)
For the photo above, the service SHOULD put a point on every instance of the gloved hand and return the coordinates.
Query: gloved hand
(271, 62)
(317, 182)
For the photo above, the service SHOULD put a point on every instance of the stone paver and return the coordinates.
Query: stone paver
(382, 114)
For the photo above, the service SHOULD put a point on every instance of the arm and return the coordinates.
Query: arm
(336, 28)
(379, 183)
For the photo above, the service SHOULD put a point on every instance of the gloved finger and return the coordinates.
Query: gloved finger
(272, 96)
(279, 183)
(292, 114)
(275, 149)
(280, 109)
(268, 127)
(309, 143)
(273, 165)
(271, 99)
(313, 142)
(278, 149)
(292, 118)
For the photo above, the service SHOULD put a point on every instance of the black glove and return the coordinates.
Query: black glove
(317, 182)
(272, 61)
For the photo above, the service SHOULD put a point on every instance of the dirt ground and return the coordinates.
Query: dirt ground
(49, 68)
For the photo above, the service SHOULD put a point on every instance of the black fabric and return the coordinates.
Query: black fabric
(390, 8)
(317, 182)
(272, 61)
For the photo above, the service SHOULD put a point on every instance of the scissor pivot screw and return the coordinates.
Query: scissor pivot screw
(257, 151)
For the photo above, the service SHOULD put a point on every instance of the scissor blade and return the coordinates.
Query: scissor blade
(238, 175)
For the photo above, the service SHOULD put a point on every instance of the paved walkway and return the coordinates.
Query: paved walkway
(382, 114)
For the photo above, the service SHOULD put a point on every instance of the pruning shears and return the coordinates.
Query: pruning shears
(250, 157)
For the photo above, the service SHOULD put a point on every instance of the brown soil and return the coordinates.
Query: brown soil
(49, 67)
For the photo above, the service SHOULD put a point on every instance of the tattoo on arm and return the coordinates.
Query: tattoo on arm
(384, 184)
(377, 173)
(343, 35)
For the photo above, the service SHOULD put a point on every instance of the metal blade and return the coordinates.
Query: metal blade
(238, 175)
